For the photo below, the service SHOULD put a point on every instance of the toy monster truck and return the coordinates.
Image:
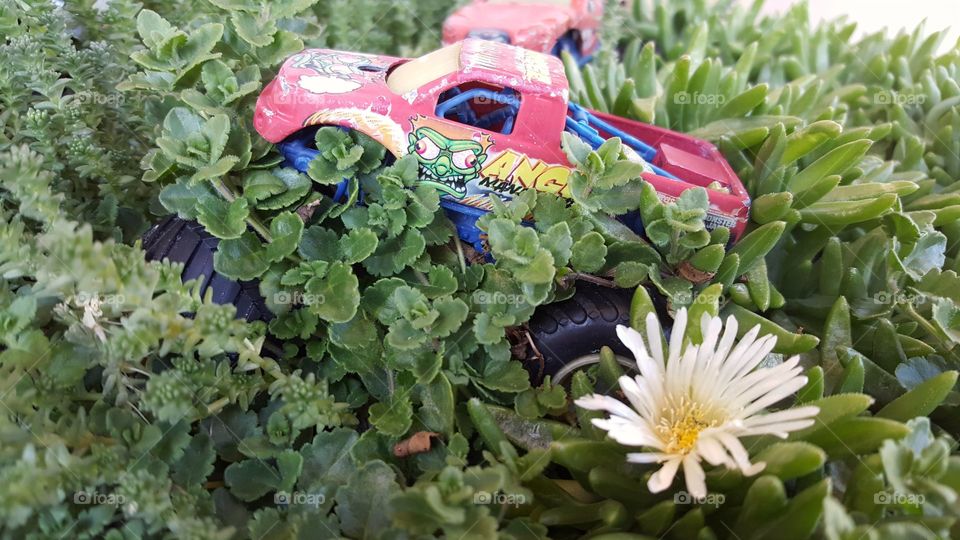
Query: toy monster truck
(547, 26)
(482, 118)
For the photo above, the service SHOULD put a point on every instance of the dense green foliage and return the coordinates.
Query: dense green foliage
(133, 407)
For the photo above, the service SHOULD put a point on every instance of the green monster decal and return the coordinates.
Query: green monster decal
(446, 164)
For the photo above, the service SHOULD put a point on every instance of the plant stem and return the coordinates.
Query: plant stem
(460, 256)
(224, 190)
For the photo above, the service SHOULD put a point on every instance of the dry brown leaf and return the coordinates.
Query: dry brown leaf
(417, 443)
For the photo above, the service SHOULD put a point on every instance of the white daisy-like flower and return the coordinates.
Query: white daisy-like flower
(696, 403)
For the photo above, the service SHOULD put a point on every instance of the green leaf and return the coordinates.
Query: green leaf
(843, 213)
(251, 479)
(327, 462)
(505, 377)
(765, 501)
(799, 519)
(756, 244)
(296, 185)
(922, 399)
(357, 245)
(394, 416)
(260, 184)
(286, 230)
(836, 162)
(336, 296)
(588, 253)
(319, 244)
(362, 501)
(833, 409)
(241, 258)
(196, 464)
(858, 435)
(187, 199)
(789, 460)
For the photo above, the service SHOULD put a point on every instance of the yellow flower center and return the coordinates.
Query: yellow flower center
(680, 426)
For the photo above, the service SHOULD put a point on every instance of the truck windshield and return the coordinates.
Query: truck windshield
(411, 75)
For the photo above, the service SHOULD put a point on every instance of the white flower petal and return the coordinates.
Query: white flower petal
(711, 450)
(753, 356)
(694, 476)
(655, 338)
(648, 367)
(785, 389)
(628, 434)
(739, 453)
(781, 430)
(647, 457)
(637, 396)
(738, 355)
(676, 336)
(662, 479)
(754, 385)
(633, 340)
(597, 402)
(781, 416)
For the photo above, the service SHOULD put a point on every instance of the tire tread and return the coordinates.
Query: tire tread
(187, 242)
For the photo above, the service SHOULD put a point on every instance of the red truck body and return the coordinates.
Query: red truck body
(482, 117)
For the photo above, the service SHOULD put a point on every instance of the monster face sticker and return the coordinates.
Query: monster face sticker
(447, 164)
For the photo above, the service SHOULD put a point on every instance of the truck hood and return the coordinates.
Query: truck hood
(321, 79)
(532, 26)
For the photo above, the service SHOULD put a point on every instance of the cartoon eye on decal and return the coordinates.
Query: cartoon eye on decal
(427, 149)
(464, 159)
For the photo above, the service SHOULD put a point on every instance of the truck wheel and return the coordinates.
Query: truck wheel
(569, 334)
(189, 243)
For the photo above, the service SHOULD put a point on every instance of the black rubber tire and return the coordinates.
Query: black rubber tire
(579, 326)
(189, 243)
